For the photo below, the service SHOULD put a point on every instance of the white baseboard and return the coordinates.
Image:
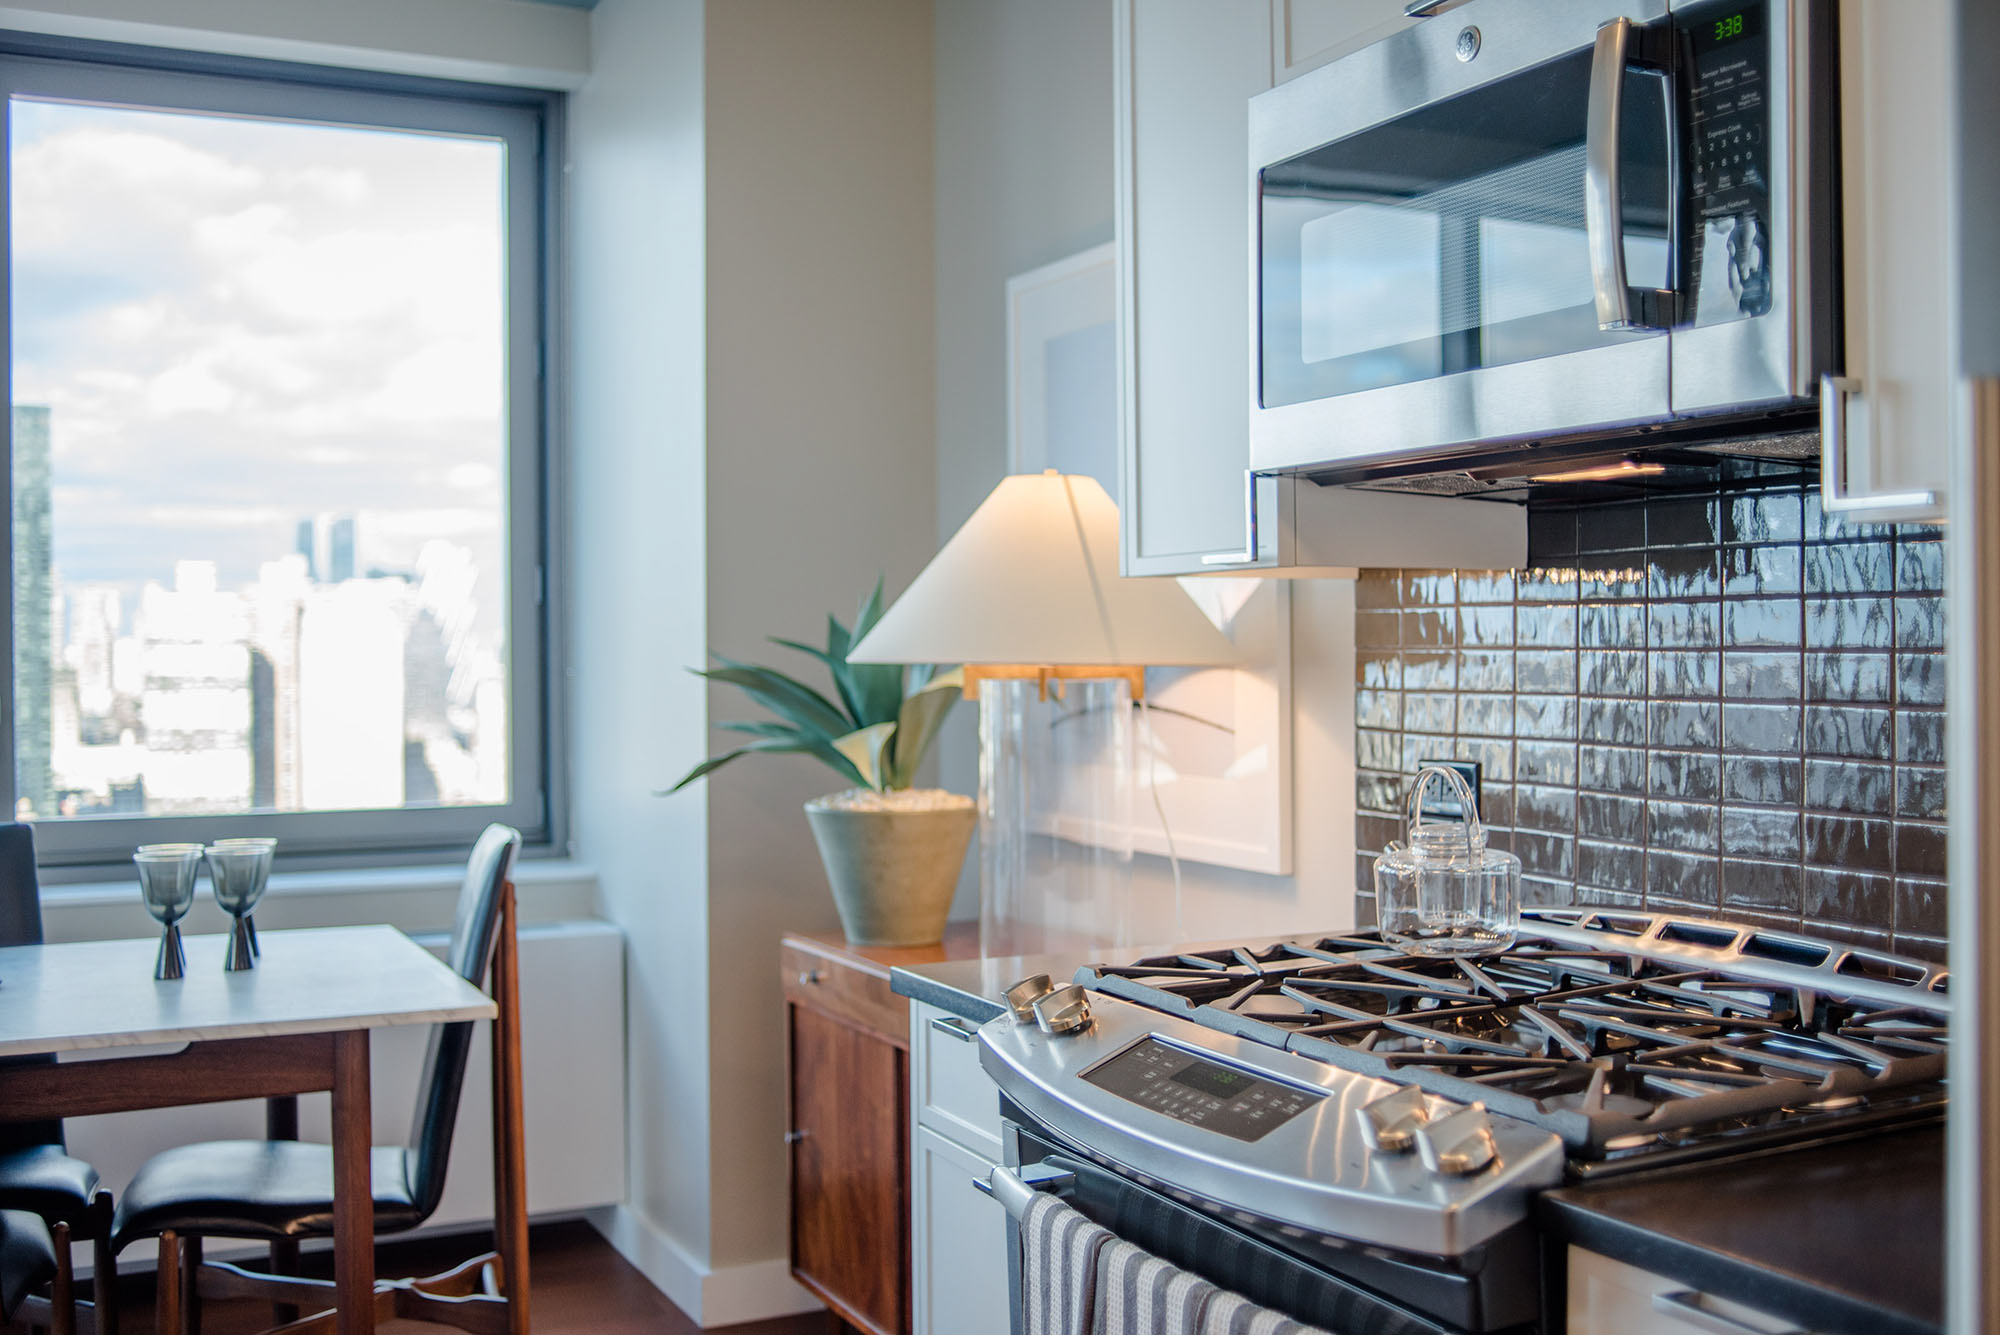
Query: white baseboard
(758, 1291)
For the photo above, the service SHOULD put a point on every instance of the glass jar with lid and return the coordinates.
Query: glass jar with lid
(1444, 892)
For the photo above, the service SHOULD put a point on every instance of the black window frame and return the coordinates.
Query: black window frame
(530, 121)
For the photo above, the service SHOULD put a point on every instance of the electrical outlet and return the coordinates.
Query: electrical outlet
(1439, 801)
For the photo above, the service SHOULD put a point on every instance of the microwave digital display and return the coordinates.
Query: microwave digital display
(1736, 25)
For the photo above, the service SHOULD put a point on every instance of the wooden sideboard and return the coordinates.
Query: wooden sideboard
(848, 1040)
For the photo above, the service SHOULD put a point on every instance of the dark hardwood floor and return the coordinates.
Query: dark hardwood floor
(581, 1287)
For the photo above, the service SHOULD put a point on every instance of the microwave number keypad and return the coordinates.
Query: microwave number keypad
(1200, 1092)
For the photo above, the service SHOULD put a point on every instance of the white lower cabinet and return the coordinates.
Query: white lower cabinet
(1608, 1297)
(959, 1241)
(958, 1234)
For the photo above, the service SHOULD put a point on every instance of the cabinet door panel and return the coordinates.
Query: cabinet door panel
(1898, 122)
(849, 1221)
(954, 1095)
(1188, 69)
(961, 1242)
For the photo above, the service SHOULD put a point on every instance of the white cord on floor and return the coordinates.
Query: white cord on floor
(1153, 782)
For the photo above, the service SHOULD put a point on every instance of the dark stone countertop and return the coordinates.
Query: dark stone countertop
(1842, 1238)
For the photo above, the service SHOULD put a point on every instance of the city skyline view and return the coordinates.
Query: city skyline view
(260, 463)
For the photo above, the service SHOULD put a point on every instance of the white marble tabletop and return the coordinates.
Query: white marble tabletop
(102, 994)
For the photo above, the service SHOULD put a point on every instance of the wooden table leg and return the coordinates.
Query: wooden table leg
(510, 1188)
(353, 1196)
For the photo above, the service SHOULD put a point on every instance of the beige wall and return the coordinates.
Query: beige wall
(821, 472)
(752, 204)
(1024, 177)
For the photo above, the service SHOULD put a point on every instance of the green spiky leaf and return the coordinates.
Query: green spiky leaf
(788, 699)
(779, 745)
(922, 714)
(885, 720)
(864, 748)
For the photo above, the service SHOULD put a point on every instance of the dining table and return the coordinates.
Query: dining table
(298, 1023)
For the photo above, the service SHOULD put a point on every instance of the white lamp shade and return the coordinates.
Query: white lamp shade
(1032, 578)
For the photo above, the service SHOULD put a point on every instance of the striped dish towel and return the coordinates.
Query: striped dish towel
(1139, 1294)
(1059, 1252)
(1232, 1314)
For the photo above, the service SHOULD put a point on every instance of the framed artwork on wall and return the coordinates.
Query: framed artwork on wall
(1214, 744)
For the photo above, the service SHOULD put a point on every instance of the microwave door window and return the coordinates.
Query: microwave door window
(1451, 239)
(1369, 298)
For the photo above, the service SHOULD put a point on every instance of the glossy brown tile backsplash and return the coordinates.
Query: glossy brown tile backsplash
(1721, 704)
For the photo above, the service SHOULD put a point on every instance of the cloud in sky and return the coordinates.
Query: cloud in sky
(258, 320)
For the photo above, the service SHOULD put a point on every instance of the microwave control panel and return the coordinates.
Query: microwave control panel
(1726, 49)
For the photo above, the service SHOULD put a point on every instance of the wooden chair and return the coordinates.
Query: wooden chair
(37, 1172)
(280, 1190)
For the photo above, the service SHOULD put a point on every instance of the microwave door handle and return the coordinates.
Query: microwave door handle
(1603, 216)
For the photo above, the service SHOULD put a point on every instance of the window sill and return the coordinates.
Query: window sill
(415, 899)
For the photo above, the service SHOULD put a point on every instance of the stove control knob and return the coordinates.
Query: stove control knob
(1389, 1124)
(1063, 1011)
(1022, 996)
(1458, 1144)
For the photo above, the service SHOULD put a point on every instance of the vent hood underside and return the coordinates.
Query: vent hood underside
(1770, 452)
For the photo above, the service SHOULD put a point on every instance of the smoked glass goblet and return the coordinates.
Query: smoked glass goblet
(239, 870)
(166, 884)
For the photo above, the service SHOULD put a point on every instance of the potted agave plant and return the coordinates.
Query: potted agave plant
(892, 852)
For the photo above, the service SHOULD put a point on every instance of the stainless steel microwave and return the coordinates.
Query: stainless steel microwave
(1543, 223)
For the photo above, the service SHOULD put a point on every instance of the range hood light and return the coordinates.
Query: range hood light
(1603, 472)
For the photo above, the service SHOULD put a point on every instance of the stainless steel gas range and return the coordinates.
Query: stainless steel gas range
(1357, 1135)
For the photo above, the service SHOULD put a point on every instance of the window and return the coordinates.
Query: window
(276, 456)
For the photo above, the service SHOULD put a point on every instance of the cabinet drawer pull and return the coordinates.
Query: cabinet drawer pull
(1686, 1305)
(794, 1137)
(808, 977)
(957, 1028)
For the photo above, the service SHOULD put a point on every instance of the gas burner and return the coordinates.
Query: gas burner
(1619, 1032)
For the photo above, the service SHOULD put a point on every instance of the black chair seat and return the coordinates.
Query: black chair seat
(262, 1189)
(27, 1258)
(47, 1181)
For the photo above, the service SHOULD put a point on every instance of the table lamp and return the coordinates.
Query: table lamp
(1055, 644)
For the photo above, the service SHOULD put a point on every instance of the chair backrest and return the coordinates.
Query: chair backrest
(21, 925)
(474, 927)
(20, 891)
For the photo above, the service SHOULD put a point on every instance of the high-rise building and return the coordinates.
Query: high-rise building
(307, 547)
(328, 541)
(340, 550)
(277, 605)
(350, 692)
(96, 616)
(196, 705)
(34, 779)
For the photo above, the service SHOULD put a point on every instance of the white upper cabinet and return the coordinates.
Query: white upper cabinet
(1305, 34)
(1186, 71)
(1898, 128)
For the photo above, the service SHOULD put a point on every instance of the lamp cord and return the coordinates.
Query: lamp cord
(1153, 782)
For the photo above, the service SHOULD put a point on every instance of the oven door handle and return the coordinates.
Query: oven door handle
(1015, 1187)
(1603, 177)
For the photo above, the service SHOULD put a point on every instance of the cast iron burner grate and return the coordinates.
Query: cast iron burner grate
(1613, 1038)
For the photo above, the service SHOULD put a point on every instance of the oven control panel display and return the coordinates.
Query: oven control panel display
(1200, 1092)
